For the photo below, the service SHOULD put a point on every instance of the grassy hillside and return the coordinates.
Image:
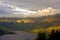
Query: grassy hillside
(46, 30)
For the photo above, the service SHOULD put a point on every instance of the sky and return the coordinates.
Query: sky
(21, 8)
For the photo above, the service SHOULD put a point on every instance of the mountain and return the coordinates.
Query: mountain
(28, 24)
(49, 22)
(53, 20)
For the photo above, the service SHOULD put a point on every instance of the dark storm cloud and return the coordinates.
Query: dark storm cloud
(4, 11)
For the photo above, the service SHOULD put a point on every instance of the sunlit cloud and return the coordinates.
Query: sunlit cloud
(23, 10)
(44, 12)
(47, 11)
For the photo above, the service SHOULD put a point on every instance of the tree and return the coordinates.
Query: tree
(41, 36)
(54, 35)
(2, 32)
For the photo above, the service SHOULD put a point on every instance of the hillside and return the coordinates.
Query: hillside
(29, 24)
(49, 23)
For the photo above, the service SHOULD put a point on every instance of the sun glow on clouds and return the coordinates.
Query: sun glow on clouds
(23, 10)
(47, 11)
(43, 12)
(15, 8)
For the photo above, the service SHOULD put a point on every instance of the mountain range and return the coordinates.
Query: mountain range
(28, 24)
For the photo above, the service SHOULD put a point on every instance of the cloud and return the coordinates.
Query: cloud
(21, 7)
(15, 8)
(34, 4)
(10, 10)
(47, 11)
(44, 12)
